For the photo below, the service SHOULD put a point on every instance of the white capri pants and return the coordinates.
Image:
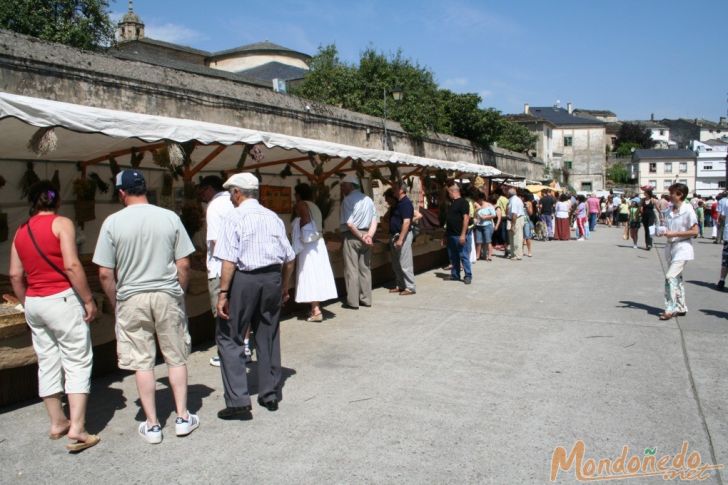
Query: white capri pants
(62, 342)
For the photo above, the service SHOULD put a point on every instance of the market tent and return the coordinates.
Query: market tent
(93, 135)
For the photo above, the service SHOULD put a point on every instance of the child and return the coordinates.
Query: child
(700, 212)
(635, 222)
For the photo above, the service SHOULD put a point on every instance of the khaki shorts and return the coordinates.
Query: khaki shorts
(137, 320)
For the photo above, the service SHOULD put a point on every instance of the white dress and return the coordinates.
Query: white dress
(314, 277)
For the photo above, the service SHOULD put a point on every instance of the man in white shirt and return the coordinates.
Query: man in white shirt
(211, 192)
(257, 264)
(358, 225)
(516, 213)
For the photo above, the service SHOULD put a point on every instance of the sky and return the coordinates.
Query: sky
(633, 57)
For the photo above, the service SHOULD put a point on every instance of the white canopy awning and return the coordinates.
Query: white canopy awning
(86, 133)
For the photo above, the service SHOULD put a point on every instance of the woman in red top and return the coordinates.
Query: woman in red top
(49, 281)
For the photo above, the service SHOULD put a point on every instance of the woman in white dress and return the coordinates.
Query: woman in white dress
(314, 277)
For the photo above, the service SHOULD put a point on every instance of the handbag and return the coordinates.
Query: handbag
(309, 232)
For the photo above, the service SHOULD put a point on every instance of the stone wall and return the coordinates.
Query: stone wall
(42, 69)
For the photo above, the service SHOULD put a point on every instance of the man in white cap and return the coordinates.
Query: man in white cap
(257, 263)
(358, 225)
(142, 253)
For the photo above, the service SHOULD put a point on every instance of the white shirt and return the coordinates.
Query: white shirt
(253, 237)
(359, 210)
(680, 249)
(723, 211)
(217, 209)
(562, 209)
(515, 207)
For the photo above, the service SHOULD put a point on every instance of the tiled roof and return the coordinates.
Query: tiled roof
(275, 70)
(561, 117)
(259, 47)
(662, 154)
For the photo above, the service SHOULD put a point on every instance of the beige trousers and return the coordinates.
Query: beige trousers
(357, 271)
(62, 342)
(515, 235)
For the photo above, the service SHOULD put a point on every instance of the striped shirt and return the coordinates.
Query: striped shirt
(357, 209)
(253, 237)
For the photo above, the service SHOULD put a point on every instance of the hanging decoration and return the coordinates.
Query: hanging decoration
(28, 179)
(43, 141)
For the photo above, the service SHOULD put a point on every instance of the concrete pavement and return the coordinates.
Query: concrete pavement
(470, 384)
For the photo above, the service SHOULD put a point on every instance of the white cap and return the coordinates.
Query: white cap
(243, 180)
(351, 179)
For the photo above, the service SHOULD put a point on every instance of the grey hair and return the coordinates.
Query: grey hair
(250, 193)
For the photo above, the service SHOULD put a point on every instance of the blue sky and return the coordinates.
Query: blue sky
(633, 57)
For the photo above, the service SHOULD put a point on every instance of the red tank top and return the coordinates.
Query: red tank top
(43, 280)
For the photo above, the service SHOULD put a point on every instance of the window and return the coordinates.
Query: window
(721, 184)
(666, 184)
(708, 166)
(653, 167)
(668, 167)
(683, 181)
(662, 132)
(568, 141)
(586, 186)
(683, 167)
(652, 183)
(568, 164)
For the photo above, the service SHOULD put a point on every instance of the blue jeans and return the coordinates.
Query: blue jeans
(592, 221)
(459, 254)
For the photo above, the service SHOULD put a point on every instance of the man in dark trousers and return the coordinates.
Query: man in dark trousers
(257, 263)
(456, 240)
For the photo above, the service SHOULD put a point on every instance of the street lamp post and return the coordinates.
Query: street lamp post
(397, 95)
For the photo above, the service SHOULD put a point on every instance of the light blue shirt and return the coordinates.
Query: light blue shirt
(357, 209)
(515, 207)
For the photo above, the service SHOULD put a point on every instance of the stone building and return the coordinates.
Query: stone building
(259, 63)
(569, 145)
(683, 131)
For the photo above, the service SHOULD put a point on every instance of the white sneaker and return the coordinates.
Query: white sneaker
(183, 427)
(634, 247)
(151, 434)
(215, 361)
(580, 239)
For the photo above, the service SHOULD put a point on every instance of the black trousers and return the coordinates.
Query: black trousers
(255, 302)
(648, 237)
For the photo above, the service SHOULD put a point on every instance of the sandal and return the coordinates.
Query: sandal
(666, 316)
(316, 318)
(78, 446)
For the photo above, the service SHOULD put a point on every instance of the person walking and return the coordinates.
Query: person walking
(502, 231)
(400, 241)
(722, 218)
(700, 213)
(257, 264)
(681, 225)
(547, 205)
(486, 218)
(48, 279)
(143, 258)
(529, 225)
(456, 239)
(581, 214)
(720, 223)
(314, 277)
(624, 217)
(562, 212)
(648, 210)
(211, 192)
(635, 222)
(358, 225)
(594, 205)
(517, 215)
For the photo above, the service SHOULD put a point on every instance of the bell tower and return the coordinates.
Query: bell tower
(131, 26)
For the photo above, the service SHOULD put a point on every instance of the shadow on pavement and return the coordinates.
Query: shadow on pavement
(651, 310)
(103, 402)
(165, 400)
(716, 313)
(705, 284)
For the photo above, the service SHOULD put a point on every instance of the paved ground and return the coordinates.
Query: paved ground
(471, 384)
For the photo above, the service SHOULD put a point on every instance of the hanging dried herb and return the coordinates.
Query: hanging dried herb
(28, 179)
(100, 184)
(286, 172)
(56, 181)
(43, 141)
(136, 158)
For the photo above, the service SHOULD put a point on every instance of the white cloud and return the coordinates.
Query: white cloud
(459, 16)
(174, 33)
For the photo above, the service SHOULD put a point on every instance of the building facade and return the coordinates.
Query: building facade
(662, 168)
(684, 131)
(571, 146)
(710, 177)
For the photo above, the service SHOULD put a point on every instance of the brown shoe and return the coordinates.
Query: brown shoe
(406, 293)
(395, 290)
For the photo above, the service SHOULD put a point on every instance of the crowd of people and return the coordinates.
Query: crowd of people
(143, 255)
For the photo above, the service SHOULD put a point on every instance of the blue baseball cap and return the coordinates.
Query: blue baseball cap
(129, 179)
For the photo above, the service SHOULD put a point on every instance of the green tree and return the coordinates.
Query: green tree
(424, 107)
(635, 135)
(618, 173)
(84, 24)
(515, 137)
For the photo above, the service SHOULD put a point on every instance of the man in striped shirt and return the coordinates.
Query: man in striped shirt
(257, 263)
